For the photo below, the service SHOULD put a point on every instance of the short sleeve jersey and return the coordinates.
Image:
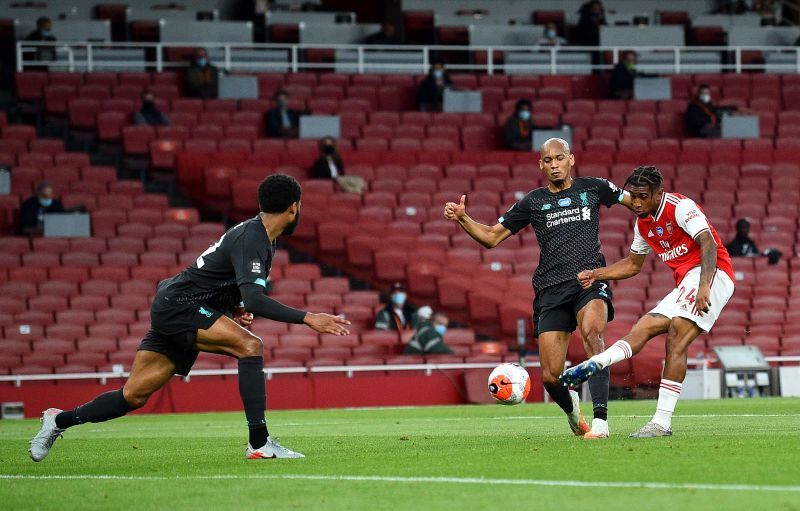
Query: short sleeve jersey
(671, 233)
(566, 225)
(243, 255)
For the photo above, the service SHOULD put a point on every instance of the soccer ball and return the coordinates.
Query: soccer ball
(509, 384)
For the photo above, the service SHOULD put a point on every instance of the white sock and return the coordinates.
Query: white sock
(617, 352)
(668, 395)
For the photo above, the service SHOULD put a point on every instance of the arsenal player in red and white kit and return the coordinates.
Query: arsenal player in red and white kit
(675, 228)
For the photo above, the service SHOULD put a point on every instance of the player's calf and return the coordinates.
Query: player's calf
(104, 407)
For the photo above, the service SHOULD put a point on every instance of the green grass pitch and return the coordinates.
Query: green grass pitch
(728, 454)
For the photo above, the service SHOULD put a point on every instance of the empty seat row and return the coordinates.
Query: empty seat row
(34, 81)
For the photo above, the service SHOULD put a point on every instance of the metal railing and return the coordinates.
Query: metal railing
(354, 58)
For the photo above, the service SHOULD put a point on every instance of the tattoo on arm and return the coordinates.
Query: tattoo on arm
(708, 258)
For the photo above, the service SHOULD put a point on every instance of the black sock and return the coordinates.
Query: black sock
(104, 407)
(598, 388)
(560, 395)
(253, 391)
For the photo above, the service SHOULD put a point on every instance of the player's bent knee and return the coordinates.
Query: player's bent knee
(549, 376)
(593, 341)
(135, 399)
(251, 346)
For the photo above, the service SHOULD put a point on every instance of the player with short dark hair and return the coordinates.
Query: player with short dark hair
(205, 308)
(564, 215)
(676, 229)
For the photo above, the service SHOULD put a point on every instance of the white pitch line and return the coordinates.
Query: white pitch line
(431, 480)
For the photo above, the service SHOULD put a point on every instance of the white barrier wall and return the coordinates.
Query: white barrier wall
(702, 384)
(789, 377)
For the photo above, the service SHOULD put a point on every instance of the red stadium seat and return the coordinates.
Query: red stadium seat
(120, 259)
(30, 85)
(18, 290)
(136, 139)
(40, 260)
(83, 362)
(108, 330)
(57, 97)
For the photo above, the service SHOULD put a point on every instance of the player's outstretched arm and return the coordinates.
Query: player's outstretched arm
(621, 270)
(259, 304)
(488, 236)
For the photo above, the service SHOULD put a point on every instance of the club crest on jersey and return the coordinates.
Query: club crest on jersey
(566, 201)
(545, 207)
(669, 227)
(659, 231)
(584, 200)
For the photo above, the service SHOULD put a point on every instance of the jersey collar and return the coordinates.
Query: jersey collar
(661, 206)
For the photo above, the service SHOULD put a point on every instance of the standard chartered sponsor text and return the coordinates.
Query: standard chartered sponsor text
(563, 216)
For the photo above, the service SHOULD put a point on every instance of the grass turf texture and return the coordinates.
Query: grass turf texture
(391, 457)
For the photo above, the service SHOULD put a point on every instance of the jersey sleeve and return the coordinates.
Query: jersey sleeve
(608, 192)
(250, 258)
(639, 245)
(689, 217)
(518, 216)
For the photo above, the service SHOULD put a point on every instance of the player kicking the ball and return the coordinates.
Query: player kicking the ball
(677, 230)
(200, 309)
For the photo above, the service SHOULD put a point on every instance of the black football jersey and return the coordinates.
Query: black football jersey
(243, 255)
(566, 226)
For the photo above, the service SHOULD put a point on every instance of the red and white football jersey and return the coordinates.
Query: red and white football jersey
(671, 234)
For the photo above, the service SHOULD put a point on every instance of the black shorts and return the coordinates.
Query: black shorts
(174, 326)
(555, 308)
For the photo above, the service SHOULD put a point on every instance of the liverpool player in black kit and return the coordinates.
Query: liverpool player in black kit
(204, 308)
(565, 216)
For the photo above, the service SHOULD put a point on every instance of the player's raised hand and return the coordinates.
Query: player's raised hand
(327, 323)
(586, 279)
(453, 211)
(242, 317)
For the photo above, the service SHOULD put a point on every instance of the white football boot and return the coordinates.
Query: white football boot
(599, 430)
(577, 423)
(272, 449)
(43, 441)
(651, 430)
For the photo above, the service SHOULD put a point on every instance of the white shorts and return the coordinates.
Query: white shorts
(680, 302)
